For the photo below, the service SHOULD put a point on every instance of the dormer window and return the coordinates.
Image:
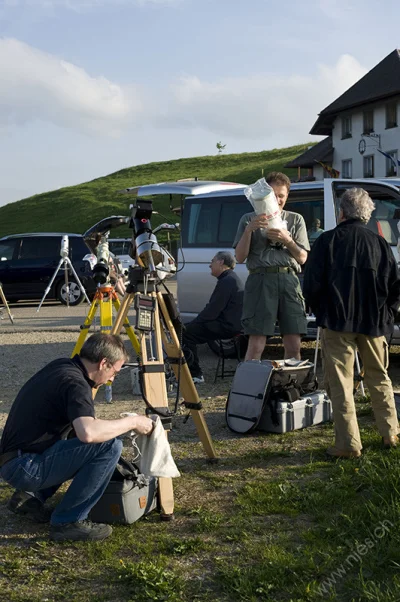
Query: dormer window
(346, 127)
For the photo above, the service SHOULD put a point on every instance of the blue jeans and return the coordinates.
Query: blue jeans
(89, 465)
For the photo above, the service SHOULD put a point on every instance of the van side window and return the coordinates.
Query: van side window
(312, 210)
(230, 218)
(203, 223)
(212, 222)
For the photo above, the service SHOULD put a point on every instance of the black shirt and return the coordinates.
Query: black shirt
(47, 405)
(226, 302)
(351, 281)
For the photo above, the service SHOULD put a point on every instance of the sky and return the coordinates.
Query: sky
(88, 87)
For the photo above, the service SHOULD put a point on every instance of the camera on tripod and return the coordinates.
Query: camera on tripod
(64, 249)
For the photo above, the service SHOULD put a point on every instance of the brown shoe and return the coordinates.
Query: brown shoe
(392, 441)
(332, 452)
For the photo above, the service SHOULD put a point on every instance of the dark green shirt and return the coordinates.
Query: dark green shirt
(262, 251)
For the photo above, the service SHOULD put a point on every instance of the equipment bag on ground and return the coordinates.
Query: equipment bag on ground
(283, 416)
(128, 496)
(259, 385)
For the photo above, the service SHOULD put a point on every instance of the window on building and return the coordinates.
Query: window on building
(346, 127)
(369, 166)
(368, 122)
(391, 164)
(391, 114)
(347, 168)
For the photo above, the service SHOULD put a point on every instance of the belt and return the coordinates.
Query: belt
(4, 458)
(272, 269)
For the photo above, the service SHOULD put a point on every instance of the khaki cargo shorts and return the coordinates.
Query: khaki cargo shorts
(269, 298)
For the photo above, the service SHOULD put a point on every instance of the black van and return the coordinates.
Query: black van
(28, 262)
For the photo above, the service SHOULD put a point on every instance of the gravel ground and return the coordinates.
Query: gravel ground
(23, 353)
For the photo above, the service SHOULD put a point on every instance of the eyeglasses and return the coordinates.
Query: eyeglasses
(115, 372)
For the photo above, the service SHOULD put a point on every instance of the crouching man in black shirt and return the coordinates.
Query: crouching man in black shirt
(35, 457)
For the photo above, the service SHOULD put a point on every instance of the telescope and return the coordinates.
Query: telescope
(146, 251)
(97, 240)
(64, 249)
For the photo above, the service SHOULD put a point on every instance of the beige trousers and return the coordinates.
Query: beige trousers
(339, 350)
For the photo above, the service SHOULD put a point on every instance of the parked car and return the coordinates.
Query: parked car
(28, 262)
(212, 211)
(120, 247)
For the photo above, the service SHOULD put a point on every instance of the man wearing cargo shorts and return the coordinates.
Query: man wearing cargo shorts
(272, 292)
(352, 284)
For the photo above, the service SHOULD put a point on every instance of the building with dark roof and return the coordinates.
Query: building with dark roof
(362, 126)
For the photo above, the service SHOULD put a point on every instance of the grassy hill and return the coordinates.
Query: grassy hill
(76, 208)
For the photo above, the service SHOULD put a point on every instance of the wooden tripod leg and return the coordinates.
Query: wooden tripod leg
(127, 325)
(4, 300)
(189, 391)
(122, 313)
(156, 392)
(154, 385)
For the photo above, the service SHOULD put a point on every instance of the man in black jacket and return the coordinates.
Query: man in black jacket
(220, 319)
(351, 283)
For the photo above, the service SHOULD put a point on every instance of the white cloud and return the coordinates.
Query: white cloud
(263, 105)
(35, 85)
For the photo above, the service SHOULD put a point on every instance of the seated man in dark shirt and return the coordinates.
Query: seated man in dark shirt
(35, 456)
(220, 319)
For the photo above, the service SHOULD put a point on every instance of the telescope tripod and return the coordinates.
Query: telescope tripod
(4, 301)
(155, 317)
(66, 262)
(104, 301)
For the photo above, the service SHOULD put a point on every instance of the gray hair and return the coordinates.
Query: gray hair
(227, 258)
(357, 204)
(103, 345)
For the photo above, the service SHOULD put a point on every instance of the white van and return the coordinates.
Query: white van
(212, 211)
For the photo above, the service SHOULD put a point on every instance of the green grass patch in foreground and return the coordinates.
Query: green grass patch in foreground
(291, 527)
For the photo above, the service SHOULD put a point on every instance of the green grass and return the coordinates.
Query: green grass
(76, 208)
(273, 527)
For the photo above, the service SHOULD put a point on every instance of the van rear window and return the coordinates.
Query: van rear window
(386, 216)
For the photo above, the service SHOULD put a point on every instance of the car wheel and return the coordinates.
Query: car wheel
(229, 347)
(75, 294)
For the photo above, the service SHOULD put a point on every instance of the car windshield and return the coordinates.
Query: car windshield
(7, 249)
(119, 247)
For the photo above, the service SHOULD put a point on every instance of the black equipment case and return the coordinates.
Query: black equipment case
(262, 392)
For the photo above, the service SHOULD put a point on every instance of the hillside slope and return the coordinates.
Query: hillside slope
(76, 208)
